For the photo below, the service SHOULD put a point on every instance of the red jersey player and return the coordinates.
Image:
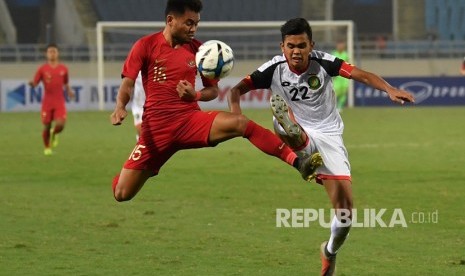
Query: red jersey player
(54, 77)
(172, 119)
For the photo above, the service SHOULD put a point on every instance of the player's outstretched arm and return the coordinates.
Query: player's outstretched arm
(234, 97)
(396, 95)
(124, 95)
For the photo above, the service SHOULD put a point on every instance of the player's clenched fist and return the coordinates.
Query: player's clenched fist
(118, 116)
(185, 90)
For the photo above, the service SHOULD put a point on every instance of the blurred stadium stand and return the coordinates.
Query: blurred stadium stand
(424, 28)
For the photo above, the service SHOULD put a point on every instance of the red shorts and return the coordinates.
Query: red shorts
(159, 140)
(50, 113)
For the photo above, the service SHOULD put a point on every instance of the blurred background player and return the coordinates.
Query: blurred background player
(137, 105)
(54, 77)
(305, 116)
(172, 119)
(341, 85)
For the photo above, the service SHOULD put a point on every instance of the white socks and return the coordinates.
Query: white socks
(339, 233)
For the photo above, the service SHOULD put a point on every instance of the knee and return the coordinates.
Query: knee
(241, 123)
(59, 127)
(121, 194)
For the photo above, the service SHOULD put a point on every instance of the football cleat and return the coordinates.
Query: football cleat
(308, 166)
(328, 261)
(47, 151)
(282, 113)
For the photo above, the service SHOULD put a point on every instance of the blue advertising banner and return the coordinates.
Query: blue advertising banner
(428, 91)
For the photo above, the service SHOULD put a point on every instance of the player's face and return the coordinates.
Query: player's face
(52, 54)
(183, 27)
(296, 49)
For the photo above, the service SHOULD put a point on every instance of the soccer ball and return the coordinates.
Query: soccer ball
(215, 59)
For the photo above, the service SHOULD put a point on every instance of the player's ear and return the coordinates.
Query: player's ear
(169, 19)
(282, 46)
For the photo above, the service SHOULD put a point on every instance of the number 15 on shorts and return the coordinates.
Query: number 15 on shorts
(136, 154)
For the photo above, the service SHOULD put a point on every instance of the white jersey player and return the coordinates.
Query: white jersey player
(305, 116)
(137, 105)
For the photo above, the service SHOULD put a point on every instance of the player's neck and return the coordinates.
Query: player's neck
(170, 39)
(300, 70)
(53, 63)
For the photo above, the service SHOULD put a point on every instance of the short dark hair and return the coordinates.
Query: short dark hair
(180, 6)
(296, 26)
(51, 45)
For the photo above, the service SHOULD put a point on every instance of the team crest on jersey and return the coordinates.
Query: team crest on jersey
(191, 63)
(314, 82)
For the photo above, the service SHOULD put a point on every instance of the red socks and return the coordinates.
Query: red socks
(269, 143)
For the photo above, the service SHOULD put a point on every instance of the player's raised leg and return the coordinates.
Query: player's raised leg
(227, 125)
(340, 194)
(290, 131)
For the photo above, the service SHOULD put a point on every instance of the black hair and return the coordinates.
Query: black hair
(179, 6)
(296, 26)
(51, 45)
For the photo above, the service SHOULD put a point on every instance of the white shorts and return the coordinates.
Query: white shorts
(137, 114)
(331, 147)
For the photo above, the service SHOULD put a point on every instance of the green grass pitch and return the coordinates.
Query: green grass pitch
(212, 211)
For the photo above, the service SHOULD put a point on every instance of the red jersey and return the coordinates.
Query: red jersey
(53, 79)
(162, 67)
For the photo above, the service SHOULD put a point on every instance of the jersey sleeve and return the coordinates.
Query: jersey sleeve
(66, 76)
(38, 75)
(333, 65)
(262, 77)
(134, 60)
(209, 82)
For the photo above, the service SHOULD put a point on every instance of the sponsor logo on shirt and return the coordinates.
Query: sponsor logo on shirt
(191, 63)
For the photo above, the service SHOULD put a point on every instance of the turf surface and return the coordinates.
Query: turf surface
(213, 211)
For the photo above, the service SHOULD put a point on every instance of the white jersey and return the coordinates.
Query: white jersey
(309, 95)
(138, 100)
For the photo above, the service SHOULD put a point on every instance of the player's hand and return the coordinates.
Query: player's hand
(71, 95)
(186, 91)
(118, 116)
(401, 96)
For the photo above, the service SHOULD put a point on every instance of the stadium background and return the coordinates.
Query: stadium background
(406, 39)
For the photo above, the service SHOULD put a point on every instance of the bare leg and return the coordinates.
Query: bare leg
(59, 126)
(46, 135)
(129, 183)
(227, 126)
